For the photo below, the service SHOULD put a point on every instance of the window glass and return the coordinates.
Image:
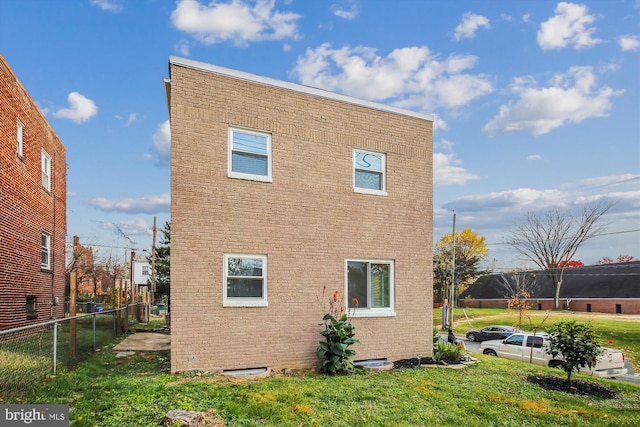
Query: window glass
(46, 249)
(369, 285)
(369, 169)
(31, 308)
(514, 340)
(245, 277)
(46, 171)
(19, 138)
(249, 155)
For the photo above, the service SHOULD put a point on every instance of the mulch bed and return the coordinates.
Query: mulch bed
(548, 382)
(413, 363)
(578, 387)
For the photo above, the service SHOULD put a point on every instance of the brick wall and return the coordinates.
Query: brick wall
(308, 221)
(601, 305)
(27, 209)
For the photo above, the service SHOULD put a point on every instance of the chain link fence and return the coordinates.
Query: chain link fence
(30, 353)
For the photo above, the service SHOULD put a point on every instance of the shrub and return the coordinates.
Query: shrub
(447, 353)
(336, 358)
(575, 343)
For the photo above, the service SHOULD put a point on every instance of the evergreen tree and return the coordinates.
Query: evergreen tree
(163, 262)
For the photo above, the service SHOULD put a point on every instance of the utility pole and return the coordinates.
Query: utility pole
(452, 288)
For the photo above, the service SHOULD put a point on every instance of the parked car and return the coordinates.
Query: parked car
(527, 347)
(493, 332)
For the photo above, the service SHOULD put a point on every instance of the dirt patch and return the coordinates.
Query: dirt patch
(578, 387)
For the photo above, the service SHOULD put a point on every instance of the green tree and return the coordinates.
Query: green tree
(576, 343)
(163, 262)
(470, 251)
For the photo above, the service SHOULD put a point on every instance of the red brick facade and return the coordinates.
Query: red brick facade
(587, 305)
(29, 293)
(307, 222)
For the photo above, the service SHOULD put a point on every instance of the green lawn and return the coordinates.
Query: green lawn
(623, 331)
(137, 391)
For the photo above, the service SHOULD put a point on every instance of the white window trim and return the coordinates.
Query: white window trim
(46, 170)
(356, 189)
(47, 265)
(19, 138)
(244, 302)
(371, 312)
(249, 176)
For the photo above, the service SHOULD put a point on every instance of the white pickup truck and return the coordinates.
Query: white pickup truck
(528, 347)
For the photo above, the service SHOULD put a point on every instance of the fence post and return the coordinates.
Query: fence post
(55, 346)
(93, 319)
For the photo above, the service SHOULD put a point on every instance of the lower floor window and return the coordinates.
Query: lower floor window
(31, 308)
(370, 287)
(245, 280)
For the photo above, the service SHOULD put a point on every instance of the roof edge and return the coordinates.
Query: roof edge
(242, 75)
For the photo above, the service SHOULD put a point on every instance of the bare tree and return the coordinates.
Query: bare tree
(551, 239)
(519, 287)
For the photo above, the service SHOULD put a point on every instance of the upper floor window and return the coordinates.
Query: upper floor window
(19, 138)
(145, 270)
(245, 281)
(46, 171)
(45, 260)
(370, 287)
(369, 172)
(249, 155)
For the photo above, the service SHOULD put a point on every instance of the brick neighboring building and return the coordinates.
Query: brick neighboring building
(33, 199)
(279, 190)
(603, 288)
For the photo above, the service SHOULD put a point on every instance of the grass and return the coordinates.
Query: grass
(623, 331)
(109, 391)
(137, 391)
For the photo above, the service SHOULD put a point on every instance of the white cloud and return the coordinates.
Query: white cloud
(133, 227)
(132, 118)
(534, 157)
(146, 204)
(80, 109)
(108, 5)
(610, 180)
(569, 98)
(447, 171)
(569, 27)
(162, 144)
(238, 21)
(469, 25)
(629, 42)
(519, 199)
(347, 13)
(410, 77)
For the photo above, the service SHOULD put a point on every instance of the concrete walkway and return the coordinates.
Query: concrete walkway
(145, 341)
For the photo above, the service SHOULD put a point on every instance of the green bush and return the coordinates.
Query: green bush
(447, 353)
(576, 343)
(336, 358)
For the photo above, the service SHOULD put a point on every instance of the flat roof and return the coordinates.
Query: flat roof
(215, 69)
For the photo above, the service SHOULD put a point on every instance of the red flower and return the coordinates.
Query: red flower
(341, 309)
(610, 342)
(335, 296)
(355, 302)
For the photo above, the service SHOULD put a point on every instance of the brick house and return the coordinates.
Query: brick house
(33, 198)
(605, 288)
(279, 191)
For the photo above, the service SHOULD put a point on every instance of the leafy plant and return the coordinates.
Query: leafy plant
(445, 353)
(336, 358)
(575, 343)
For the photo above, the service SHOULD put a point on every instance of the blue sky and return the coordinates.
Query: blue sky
(537, 103)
